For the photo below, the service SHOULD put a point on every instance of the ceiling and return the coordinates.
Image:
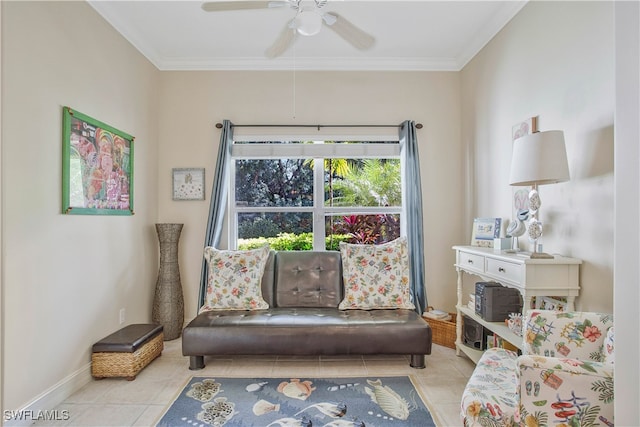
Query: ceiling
(410, 35)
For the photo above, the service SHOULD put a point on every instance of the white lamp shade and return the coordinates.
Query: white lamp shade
(539, 158)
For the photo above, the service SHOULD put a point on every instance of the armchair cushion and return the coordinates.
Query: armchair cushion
(579, 335)
(562, 391)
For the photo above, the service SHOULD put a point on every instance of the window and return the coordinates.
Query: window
(314, 194)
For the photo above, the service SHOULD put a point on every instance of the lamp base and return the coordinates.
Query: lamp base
(541, 255)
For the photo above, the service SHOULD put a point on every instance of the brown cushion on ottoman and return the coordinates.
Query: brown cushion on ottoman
(128, 339)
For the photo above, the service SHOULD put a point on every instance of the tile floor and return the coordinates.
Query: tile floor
(118, 402)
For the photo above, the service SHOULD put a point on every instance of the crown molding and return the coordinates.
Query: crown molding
(131, 35)
(307, 64)
(489, 31)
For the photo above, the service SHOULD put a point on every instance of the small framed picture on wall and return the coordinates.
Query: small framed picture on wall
(188, 183)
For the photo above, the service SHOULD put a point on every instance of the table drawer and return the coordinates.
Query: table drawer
(472, 262)
(505, 270)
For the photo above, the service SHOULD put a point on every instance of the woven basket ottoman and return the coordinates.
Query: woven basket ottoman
(126, 352)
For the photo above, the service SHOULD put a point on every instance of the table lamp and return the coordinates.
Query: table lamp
(539, 158)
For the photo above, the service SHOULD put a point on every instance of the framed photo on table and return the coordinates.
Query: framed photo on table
(485, 230)
(188, 183)
(97, 167)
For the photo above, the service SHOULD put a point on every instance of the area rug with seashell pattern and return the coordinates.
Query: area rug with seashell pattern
(298, 402)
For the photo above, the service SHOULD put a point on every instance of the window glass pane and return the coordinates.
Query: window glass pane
(291, 231)
(274, 182)
(361, 229)
(358, 184)
(362, 182)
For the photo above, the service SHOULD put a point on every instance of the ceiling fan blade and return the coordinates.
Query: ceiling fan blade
(286, 38)
(345, 29)
(222, 6)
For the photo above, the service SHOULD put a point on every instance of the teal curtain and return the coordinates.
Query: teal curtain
(218, 201)
(412, 203)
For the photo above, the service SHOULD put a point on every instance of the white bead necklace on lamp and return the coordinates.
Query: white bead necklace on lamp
(539, 158)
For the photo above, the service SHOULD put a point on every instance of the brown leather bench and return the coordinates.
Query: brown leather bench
(303, 290)
(126, 352)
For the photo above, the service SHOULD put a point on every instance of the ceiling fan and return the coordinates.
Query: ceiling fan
(307, 22)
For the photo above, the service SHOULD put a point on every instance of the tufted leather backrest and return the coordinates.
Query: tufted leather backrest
(268, 278)
(307, 279)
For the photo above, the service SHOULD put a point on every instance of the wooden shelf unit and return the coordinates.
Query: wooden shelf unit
(557, 276)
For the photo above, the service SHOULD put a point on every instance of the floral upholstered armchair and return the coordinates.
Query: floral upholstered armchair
(564, 376)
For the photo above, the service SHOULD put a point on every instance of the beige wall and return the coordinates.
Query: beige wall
(66, 277)
(192, 102)
(553, 60)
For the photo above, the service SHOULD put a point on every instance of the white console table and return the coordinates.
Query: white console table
(532, 277)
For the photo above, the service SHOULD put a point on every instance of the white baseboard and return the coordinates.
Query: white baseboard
(42, 407)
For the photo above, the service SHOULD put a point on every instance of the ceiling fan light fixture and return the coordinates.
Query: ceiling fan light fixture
(309, 22)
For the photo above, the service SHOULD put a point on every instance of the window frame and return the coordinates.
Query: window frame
(358, 148)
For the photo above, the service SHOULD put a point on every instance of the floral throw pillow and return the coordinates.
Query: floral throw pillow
(376, 276)
(234, 279)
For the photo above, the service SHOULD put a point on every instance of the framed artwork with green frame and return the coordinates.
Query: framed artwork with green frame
(97, 167)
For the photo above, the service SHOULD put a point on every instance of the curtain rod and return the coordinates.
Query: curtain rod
(219, 126)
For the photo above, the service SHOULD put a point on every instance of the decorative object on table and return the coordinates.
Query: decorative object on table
(299, 401)
(501, 243)
(514, 323)
(188, 183)
(97, 167)
(485, 230)
(520, 195)
(517, 228)
(539, 158)
(520, 200)
(168, 302)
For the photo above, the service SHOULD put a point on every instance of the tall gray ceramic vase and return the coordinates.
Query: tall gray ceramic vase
(168, 302)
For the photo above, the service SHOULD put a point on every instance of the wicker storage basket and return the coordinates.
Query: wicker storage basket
(128, 365)
(443, 332)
